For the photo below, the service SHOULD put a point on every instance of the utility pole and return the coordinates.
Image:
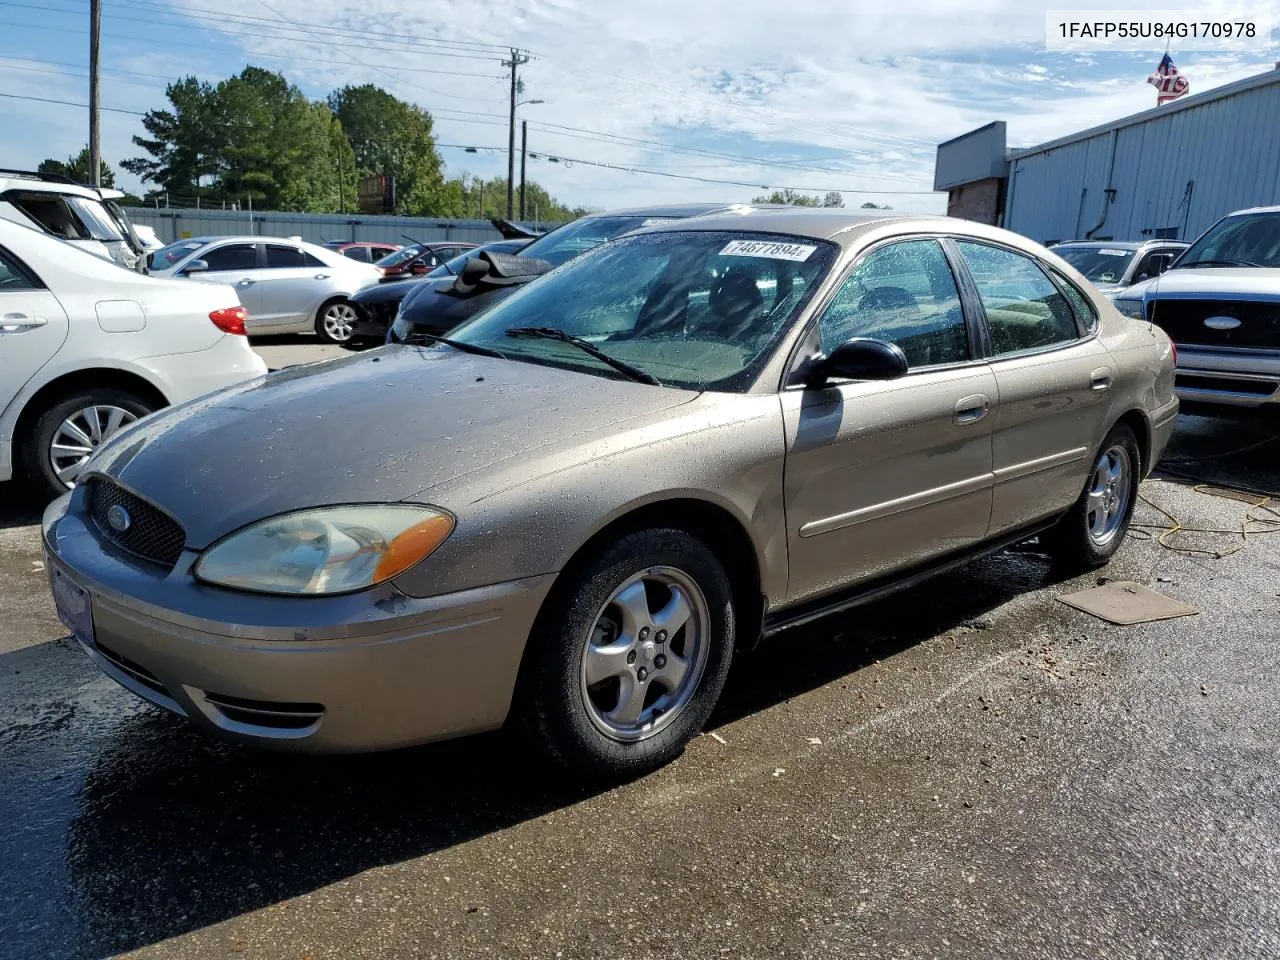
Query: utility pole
(524, 149)
(516, 61)
(95, 147)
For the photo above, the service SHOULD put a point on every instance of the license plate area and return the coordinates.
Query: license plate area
(73, 605)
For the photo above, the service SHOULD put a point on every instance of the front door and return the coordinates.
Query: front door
(1054, 381)
(291, 286)
(33, 326)
(882, 474)
(235, 264)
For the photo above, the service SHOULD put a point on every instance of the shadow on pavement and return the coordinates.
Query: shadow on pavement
(18, 507)
(173, 832)
(1233, 449)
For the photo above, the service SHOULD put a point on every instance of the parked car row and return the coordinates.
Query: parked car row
(668, 433)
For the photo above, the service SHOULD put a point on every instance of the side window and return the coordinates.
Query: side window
(12, 276)
(1025, 311)
(280, 257)
(1083, 308)
(377, 253)
(234, 256)
(357, 253)
(904, 293)
(309, 260)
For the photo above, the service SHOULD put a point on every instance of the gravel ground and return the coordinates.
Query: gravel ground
(970, 769)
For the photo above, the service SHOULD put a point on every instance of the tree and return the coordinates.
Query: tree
(392, 138)
(538, 203)
(183, 146)
(77, 168)
(794, 198)
(875, 206)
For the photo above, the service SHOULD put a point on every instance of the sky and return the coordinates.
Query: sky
(809, 94)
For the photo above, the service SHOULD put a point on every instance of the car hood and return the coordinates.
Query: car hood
(376, 427)
(386, 291)
(1218, 282)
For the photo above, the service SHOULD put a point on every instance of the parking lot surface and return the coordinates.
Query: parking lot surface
(969, 769)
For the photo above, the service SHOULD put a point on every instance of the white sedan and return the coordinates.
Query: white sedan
(88, 347)
(288, 286)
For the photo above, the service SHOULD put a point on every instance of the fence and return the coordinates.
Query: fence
(174, 224)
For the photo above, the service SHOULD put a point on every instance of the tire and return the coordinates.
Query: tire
(1090, 533)
(335, 320)
(572, 695)
(110, 408)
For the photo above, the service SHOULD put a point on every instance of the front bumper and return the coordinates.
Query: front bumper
(1228, 377)
(368, 671)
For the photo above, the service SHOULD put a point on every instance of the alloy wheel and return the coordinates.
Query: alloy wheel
(1107, 504)
(339, 322)
(644, 658)
(80, 434)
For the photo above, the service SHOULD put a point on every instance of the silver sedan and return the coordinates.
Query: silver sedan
(573, 510)
(287, 286)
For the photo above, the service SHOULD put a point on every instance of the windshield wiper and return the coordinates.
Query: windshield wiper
(1220, 263)
(586, 346)
(456, 344)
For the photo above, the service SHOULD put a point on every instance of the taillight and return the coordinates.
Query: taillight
(230, 319)
(1174, 347)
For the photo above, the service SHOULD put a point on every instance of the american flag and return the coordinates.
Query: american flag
(1169, 83)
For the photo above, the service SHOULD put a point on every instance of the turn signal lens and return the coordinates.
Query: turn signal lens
(230, 319)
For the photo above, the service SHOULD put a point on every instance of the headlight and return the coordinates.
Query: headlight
(1130, 308)
(327, 550)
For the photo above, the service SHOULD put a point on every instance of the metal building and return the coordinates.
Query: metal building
(1166, 172)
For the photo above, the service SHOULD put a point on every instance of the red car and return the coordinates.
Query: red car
(363, 250)
(419, 258)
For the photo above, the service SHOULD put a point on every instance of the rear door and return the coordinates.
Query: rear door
(884, 474)
(291, 285)
(1053, 378)
(33, 326)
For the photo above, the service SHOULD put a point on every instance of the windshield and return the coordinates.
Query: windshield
(1251, 239)
(97, 221)
(171, 255)
(1101, 264)
(696, 310)
(403, 255)
(581, 235)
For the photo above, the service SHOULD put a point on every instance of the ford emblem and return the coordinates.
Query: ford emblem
(1221, 323)
(118, 519)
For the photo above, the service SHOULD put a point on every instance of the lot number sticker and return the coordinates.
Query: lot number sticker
(767, 248)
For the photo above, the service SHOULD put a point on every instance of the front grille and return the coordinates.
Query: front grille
(151, 533)
(131, 669)
(1184, 321)
(273, 714)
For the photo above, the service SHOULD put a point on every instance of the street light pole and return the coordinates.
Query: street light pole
(524, 149)
(95, 146)
(516, 61)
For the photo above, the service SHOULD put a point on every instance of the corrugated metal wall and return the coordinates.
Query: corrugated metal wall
(1182, 170)
(174, 224)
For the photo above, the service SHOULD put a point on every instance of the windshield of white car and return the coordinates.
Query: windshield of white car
(96, 218)
(579, 236)
(402, 255)
(691, 309)
(175, 252)
(1101, 264)
(1246, 240)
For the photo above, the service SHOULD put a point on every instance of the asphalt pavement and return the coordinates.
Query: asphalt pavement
(970, 769)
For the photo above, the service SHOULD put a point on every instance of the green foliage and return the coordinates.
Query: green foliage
(77, 168)
(794, 198)
(257, 137)
(538, 203)
(875, 206)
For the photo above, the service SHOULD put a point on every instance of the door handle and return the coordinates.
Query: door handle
(1101, 379)
(13, 322)
(321, 276)
(245, 283)
(972, 409)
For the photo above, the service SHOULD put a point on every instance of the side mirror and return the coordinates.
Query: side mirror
(860, 359)
(196, 266)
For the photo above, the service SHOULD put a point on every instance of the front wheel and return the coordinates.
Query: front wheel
(1090, 533)
(336, 321)
(629, 656)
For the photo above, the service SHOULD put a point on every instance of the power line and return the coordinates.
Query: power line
(681, 176)
(69, 103)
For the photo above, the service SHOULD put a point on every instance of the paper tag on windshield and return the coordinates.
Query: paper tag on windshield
(1114, 253)
(767, 248)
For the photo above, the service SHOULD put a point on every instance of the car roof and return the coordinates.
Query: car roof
(680, 210)
(1122, 244)
(1238, 213)
(819, 223)
(44, 183)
